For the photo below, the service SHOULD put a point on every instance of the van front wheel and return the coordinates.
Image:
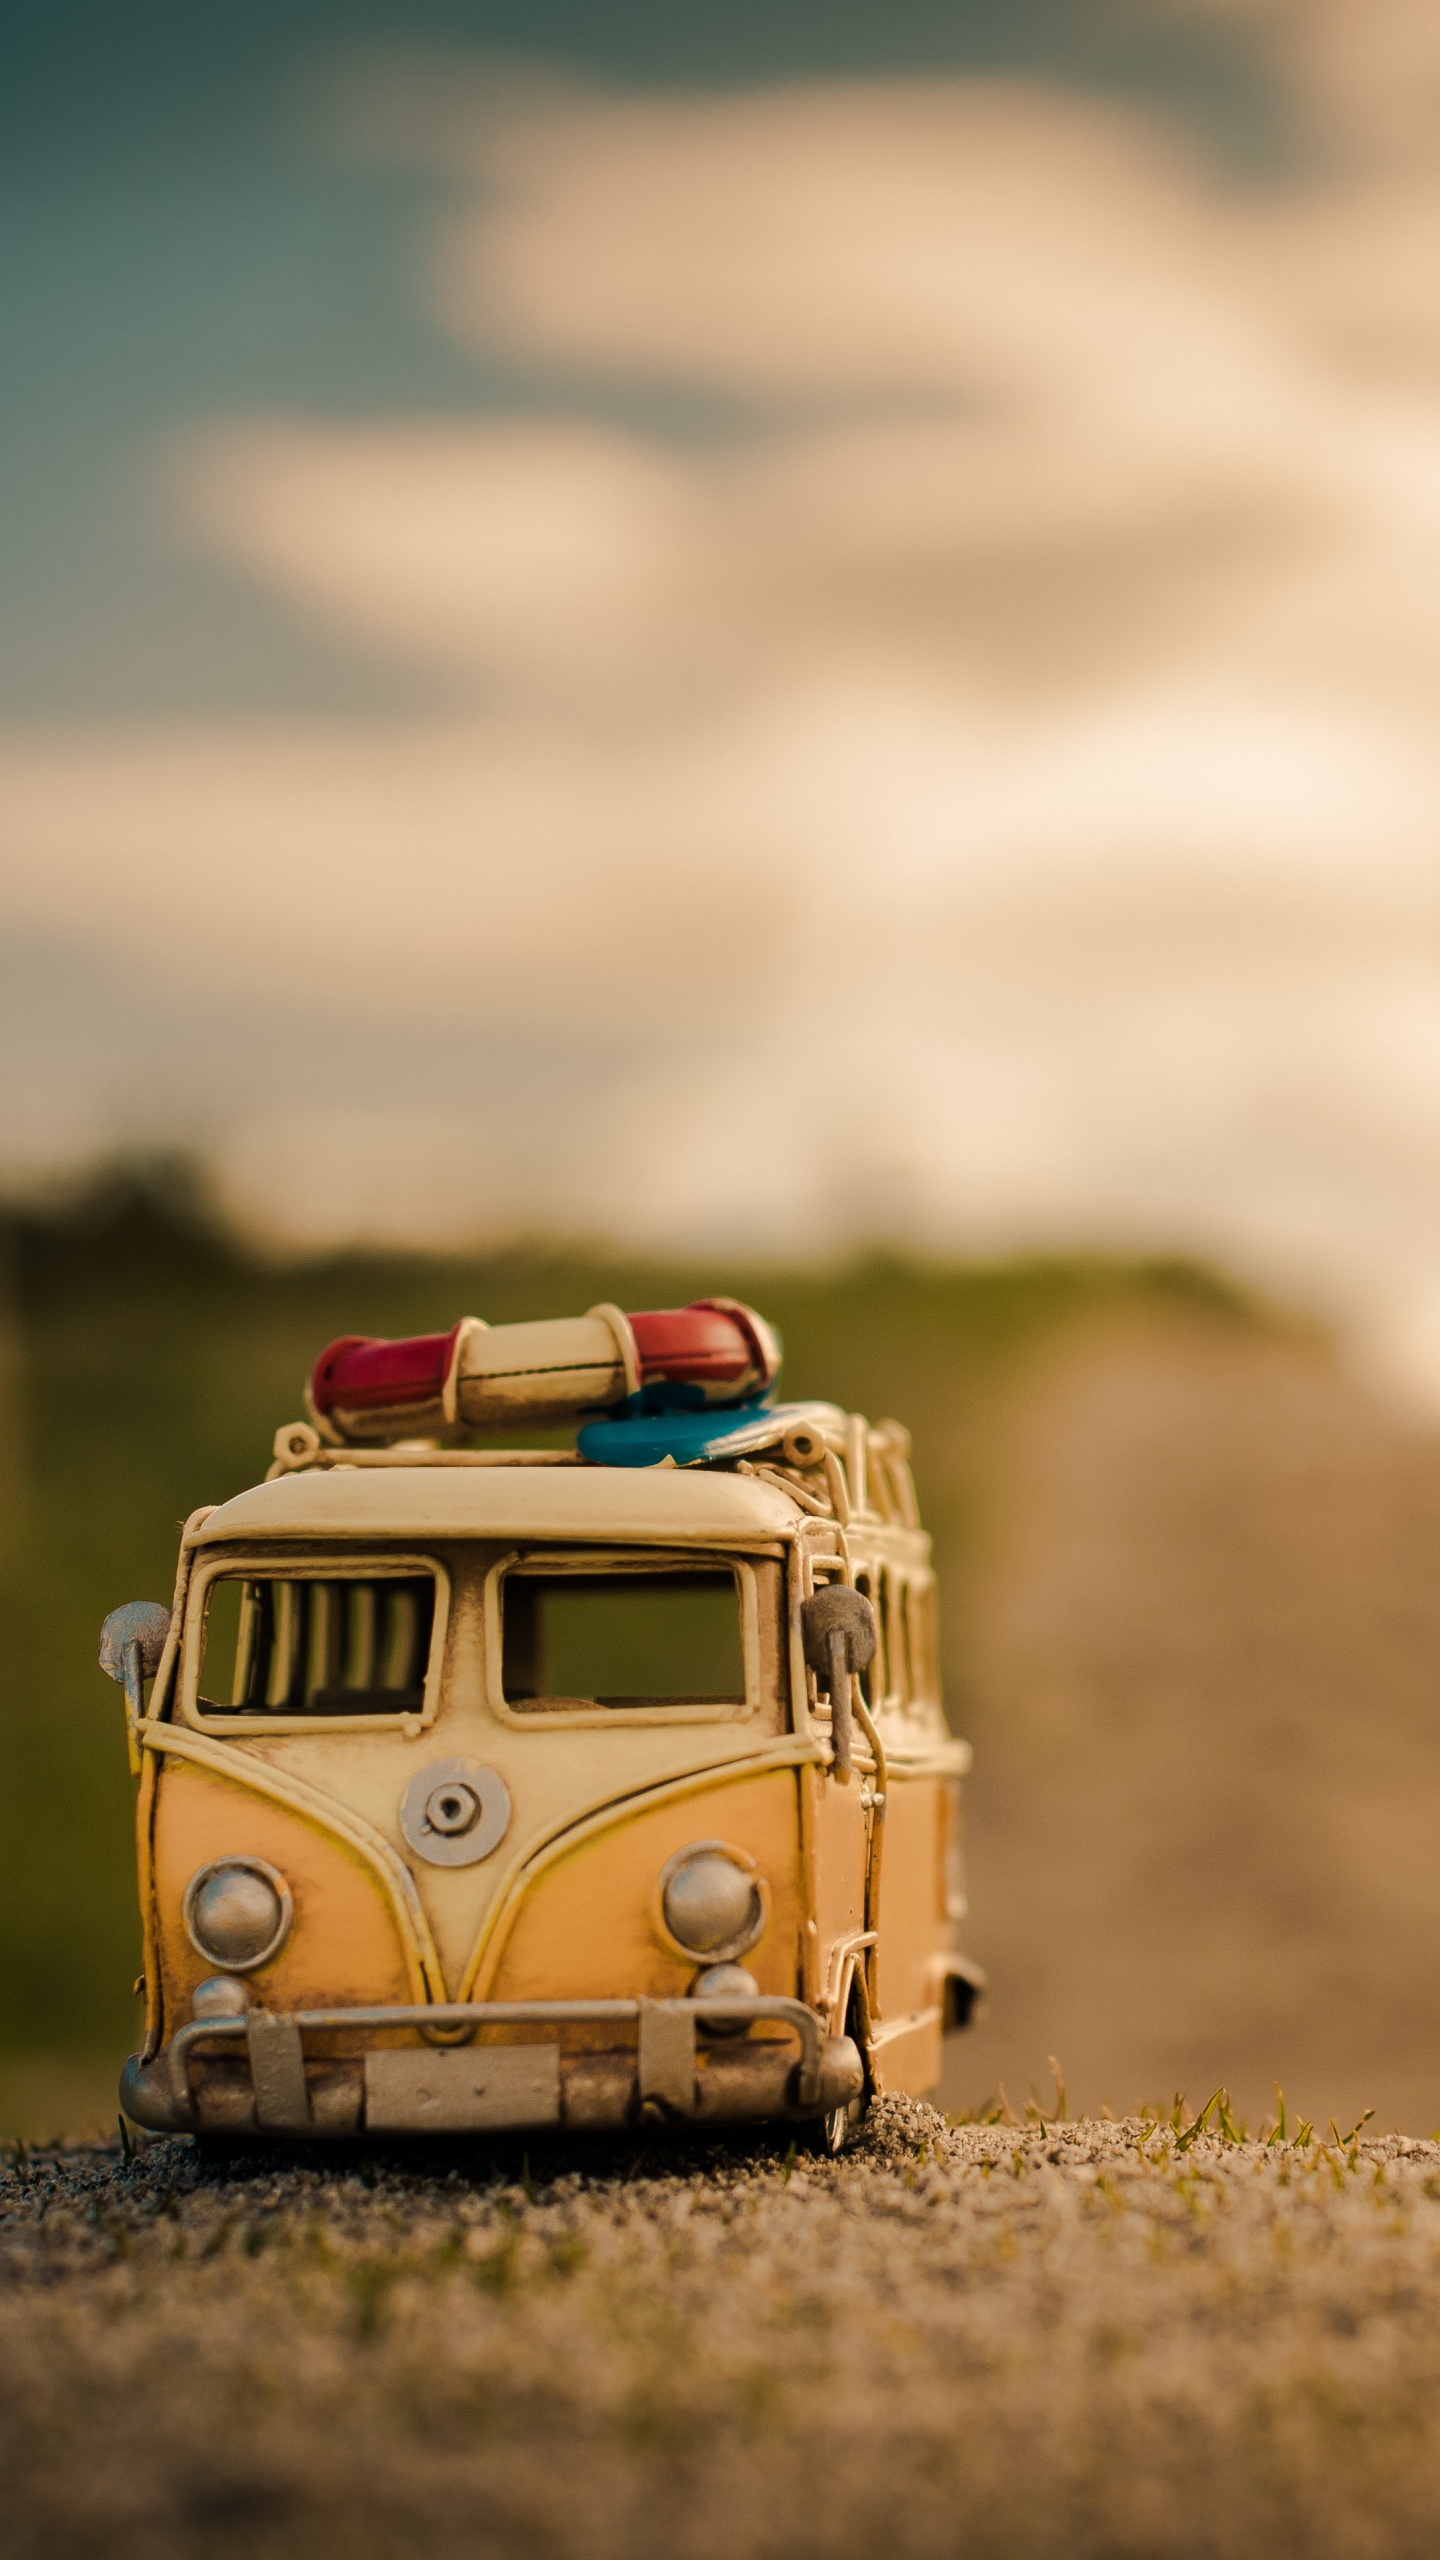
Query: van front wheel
(827, 2135)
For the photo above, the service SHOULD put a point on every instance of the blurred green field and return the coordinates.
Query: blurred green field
(148, 1360)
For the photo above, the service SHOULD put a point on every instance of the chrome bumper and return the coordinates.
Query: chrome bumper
(271, 2071)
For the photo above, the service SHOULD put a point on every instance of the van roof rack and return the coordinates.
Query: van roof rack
(687, 1387)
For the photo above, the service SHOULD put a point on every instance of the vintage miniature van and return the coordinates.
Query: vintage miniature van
(488, 1787)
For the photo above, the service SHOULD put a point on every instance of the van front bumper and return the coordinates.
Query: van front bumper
(493, 2065)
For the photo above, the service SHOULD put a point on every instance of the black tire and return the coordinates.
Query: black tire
(826, 2136)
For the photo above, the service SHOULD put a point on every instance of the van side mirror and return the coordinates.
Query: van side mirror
(131, 1643)
(837, 1629)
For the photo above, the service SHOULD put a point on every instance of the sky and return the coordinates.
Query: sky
(756, 630)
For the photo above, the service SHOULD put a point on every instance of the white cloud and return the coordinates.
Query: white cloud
(994, 794)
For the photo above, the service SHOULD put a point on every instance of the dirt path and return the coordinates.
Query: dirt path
(1200, 1661)
(1079, 2338)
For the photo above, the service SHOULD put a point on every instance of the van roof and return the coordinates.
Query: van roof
(658, 1505)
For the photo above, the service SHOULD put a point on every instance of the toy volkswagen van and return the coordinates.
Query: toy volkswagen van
(487, 1787)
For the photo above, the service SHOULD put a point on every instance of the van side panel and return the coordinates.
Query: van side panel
(841, 1848)
(914, 1930)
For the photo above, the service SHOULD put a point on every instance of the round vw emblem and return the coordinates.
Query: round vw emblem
(454, 1812)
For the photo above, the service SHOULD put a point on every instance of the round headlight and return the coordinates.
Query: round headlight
(712, 1904)
(237, 1913)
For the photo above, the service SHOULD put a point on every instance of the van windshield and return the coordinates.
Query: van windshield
(611, 1637)
(303, 1645)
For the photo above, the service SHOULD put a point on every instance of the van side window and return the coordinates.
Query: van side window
(897, 1665)
(622, 1640)
(920, 1625)
(295, 1645)
(872, 1678)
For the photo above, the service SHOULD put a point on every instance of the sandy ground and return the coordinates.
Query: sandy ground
(1094, 2338)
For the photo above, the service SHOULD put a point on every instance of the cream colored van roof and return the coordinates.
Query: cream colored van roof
(646, 1503)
